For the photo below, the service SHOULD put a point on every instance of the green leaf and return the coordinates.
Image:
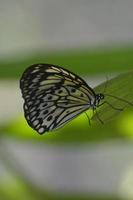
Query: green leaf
(120, 89)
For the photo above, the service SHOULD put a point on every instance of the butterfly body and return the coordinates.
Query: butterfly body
(53, 96)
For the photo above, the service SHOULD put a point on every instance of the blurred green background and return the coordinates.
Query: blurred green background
(78, 161)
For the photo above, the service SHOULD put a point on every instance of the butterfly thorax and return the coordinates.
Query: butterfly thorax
(96, 102)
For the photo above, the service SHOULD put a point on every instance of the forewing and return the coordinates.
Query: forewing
(53, 96)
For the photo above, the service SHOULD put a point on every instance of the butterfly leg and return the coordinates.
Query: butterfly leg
(89, 120)
(99, 118)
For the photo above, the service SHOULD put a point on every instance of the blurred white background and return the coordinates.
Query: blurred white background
(31, 24)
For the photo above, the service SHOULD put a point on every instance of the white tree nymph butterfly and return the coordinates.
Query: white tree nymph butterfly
(53, 96)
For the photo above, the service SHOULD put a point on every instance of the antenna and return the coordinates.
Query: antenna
(119, 98)
(106, 84)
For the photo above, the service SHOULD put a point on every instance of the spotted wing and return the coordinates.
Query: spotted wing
(53, 96)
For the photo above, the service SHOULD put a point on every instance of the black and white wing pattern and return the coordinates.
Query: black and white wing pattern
(53, 96)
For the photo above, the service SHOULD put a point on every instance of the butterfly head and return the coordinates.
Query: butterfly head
(98, 98)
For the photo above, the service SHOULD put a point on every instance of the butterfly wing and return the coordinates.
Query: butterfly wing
(53, 96)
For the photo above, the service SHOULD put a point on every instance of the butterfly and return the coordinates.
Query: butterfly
(53, 96)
